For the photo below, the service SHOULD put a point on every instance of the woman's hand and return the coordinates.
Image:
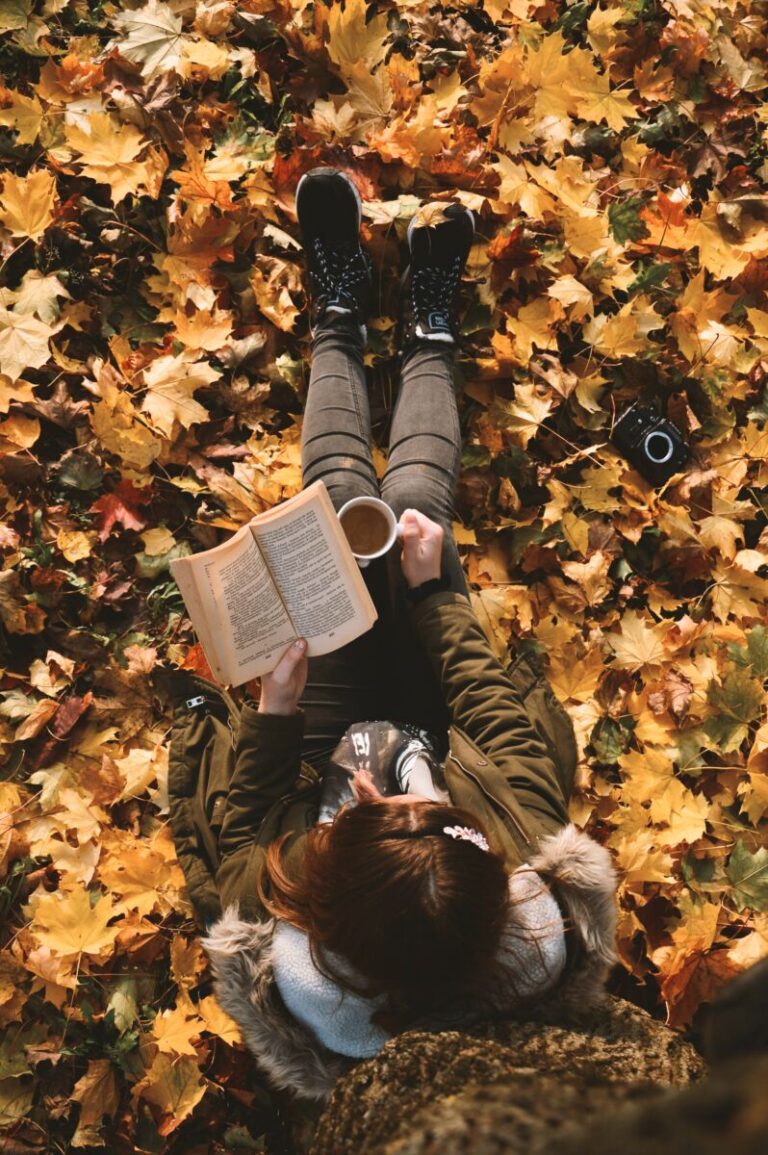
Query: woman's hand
(281, 690)
(422, 545)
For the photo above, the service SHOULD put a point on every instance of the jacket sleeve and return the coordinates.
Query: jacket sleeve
(485, 705)
(267, 764)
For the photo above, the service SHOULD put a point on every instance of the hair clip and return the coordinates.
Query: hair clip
(467, 834)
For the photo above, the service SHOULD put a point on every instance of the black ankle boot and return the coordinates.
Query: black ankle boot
(438, 254)
(329, 212)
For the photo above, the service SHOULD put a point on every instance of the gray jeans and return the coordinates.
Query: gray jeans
(384, 674)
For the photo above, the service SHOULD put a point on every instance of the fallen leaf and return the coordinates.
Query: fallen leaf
(73, 924)
(27, 203)
(174, 1086)
(122, 506)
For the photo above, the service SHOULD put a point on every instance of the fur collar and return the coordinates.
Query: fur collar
(583, 880)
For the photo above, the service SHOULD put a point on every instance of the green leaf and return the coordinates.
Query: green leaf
(650, 277)
(699, 873)
(664, 125)
(624, 220)
(748, 874)
(80, 470)
(608, 741)
(757, 647)
(151, 566)
(738, 703)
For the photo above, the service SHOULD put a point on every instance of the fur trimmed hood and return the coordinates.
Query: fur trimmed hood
(583, 880)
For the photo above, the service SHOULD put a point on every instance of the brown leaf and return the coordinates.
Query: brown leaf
(98, 1095)
(123, 506)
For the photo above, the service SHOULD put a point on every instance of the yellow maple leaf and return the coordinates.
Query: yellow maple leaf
(618, 336)
(637, 645)
(188, 962)
(650, 780)
(571, 293)
(749, 950)
(598, 482)
(602, 32)
(206, 329)
(170, 382)
(274, 283)
(574, 677)
(70, 924)
(79, 814)
(722, 534)
(352, 40)
(137, 771)
(20, 392)
(534, 325)
(75, 544)
(735, 591)
(202, 59)
(596, 101)
(718, 253)
(521, 418)
(19, 432)
(150, 37)
(682, 812)
(134, 875)
(23, 343)
(217, 1021)
(174, 1030)
(517, 187)
(591, 576)
(157, 541)
(571, 183)
(24, 115)
(174, 1087)
(548, 72)
(109, 153)
(98, 1095)
(639, 857)
(27, 203)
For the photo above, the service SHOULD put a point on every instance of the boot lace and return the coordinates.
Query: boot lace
(433, 287)
(338, 269)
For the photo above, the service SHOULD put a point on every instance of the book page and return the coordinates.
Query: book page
(311, 563)
(244, 626)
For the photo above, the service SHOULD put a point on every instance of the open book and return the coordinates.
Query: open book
(289, 573)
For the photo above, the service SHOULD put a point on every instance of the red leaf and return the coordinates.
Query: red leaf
(196, 661)
(121, 505)
(68, 714)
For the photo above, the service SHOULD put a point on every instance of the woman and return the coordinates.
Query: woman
(446, 884)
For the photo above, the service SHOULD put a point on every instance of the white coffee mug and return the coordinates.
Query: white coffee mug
(381, 507)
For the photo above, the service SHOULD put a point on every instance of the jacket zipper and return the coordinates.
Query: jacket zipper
(495, 801)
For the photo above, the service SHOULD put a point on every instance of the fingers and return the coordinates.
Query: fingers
(286, 667)
(417, 526)
(364, 788)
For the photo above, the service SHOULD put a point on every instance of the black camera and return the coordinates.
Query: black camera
(651, 443)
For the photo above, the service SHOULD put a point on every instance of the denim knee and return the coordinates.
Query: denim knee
(415, 492)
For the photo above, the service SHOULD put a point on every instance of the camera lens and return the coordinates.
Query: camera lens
(658, 446)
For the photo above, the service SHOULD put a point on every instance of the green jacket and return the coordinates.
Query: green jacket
(237, 780)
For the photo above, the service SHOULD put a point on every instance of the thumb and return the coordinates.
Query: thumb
(291, 658)
(410, 526)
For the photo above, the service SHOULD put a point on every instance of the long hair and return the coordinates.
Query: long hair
(416, 913)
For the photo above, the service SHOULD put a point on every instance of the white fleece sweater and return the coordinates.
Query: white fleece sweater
(533, 947)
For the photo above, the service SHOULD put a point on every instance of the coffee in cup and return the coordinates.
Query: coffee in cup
(369, 526)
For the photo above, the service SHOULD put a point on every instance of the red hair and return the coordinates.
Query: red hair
(416, 913)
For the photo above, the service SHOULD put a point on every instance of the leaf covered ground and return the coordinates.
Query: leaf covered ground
(153, 346)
